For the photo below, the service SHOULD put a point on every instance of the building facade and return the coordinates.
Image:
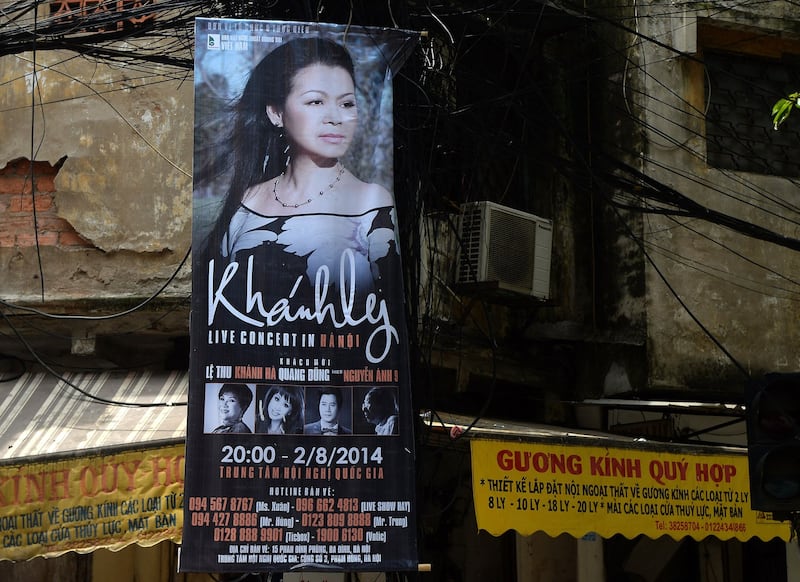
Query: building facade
(640, 135)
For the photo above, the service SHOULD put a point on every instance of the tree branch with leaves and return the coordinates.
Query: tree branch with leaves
(782, 109)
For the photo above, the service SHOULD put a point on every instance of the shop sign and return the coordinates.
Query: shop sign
(100, 501)
(557, 488)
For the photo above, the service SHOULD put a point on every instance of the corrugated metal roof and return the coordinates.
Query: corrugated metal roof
(45, 415)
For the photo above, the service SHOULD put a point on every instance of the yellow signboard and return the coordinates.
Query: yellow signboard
(557, 488)
(84, 503)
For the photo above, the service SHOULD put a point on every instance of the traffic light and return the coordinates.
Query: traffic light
(773, 442)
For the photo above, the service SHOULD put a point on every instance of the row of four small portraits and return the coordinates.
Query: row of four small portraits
(314, 410)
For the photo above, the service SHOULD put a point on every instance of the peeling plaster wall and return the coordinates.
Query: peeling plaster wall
(125, 186)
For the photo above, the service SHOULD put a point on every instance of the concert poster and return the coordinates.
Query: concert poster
(300, 445)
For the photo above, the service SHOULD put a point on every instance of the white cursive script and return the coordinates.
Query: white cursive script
(375, 312)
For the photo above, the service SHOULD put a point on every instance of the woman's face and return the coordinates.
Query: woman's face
(320, 115)
(279, 407)
(229, 408)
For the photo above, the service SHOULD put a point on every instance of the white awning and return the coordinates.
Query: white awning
(46, 415)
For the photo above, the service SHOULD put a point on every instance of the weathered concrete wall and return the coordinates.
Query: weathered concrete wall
(114, 215)
(739, 288)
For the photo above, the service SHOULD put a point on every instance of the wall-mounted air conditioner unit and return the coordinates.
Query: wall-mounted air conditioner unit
(504, 248)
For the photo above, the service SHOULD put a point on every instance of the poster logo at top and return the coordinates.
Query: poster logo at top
(300, 447)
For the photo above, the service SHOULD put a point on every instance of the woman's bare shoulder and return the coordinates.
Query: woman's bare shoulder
(373, 195)
(257, 197)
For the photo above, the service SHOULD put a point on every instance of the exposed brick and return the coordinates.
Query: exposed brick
(24, 203)
(28, 239)
(70, 238)
(18, 223)
(12, 226)
(16, 167)
(15, 177)
(45, 239)
(15, 185)
(44, 183)
(22, 167)
(17, 204)
(50, 222)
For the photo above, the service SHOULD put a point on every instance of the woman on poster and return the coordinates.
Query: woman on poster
(280, 410)
(232, 402)
(291, 201)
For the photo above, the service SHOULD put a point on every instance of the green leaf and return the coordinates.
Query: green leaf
(783, 107)
(781, 104)
(781, 111)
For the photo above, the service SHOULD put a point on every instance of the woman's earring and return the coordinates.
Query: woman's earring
(288, 156)
(286, 149)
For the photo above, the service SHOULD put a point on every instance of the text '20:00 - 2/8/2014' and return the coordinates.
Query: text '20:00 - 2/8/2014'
(308, 456)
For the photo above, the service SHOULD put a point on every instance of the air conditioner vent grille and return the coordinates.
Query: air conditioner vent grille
(471, 220)
(506, 247)
(511, 245)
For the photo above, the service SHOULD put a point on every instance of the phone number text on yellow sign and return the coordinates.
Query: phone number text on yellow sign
(558, 488)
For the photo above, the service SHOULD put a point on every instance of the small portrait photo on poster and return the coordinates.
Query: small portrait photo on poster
(329, 411)
(228, 408)
(379, 411)
(280, 409)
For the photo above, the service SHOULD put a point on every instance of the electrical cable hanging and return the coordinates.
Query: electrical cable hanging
(77, 388)
(31, 178)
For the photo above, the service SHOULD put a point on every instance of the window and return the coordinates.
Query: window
(746, 73)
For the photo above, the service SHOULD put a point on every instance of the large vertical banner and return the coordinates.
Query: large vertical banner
(300, 448)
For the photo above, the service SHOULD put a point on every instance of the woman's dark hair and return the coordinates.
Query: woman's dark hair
(241, 392)
(257, 148)
(293, 423)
